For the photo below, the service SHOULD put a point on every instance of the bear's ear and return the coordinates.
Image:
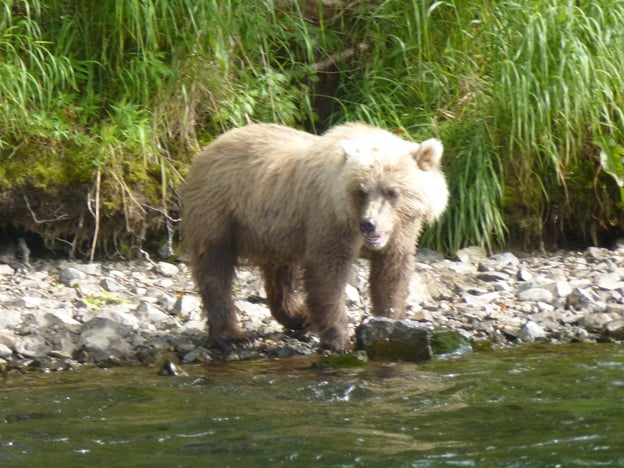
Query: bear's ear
(350, 149)
(428, 154)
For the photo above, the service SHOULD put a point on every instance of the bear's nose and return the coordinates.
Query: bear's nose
(368, 226)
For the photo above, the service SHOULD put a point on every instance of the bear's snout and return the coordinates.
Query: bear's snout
(368, 226)
(374, 239)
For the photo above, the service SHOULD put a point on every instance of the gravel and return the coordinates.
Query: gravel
(57, 314)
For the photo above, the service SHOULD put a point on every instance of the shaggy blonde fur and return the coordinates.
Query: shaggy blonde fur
(302, 206)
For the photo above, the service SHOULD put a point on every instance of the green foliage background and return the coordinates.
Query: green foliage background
(103, 104)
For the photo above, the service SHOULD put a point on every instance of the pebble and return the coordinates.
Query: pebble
(167, 269)
(535, 295)
(134, 311)
(531, 331)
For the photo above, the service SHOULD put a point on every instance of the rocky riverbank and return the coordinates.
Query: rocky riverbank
(58, 314)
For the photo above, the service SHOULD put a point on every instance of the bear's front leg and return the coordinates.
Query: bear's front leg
(325, 282)
(390, 273)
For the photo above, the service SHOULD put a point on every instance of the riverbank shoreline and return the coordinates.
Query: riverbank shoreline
(57, 314)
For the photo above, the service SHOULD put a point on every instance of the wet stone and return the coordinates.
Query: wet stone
(397, 340)
(445, 342)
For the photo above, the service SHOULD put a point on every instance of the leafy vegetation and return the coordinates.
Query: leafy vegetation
(105, 103)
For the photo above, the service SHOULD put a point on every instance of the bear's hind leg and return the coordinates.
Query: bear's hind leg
(214, 273)
(286, 304)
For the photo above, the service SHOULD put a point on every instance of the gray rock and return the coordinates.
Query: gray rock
(615, 309)
(148, 314)
(585, 299)
(70, 276)
(562, 289)
(492, 276)
(91, 269)
(418, 292)
(481, 300)
(5, 351)
(428, 255)
(609, 281)
(421, 316)
(111, 285)
(597, 253)
(199, 354)
(6, 270)
(99, 323)
(62, 342)
(253, 310)
(31, 346)
(615, 329)
(167, 269)
(571, 317)
(103, 338)
(352, 296)
(531, 331)
(187, 304)
(9, 319)
(525, 275)
(504, 259)
(535, 294)
(113, 309)
(596, 321)
(471, 254)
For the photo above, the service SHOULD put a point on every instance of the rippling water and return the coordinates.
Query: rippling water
(539, 406)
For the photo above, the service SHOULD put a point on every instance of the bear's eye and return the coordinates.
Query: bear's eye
(392, 193)
(362, 193)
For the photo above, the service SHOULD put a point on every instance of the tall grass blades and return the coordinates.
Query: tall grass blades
(537, 84)
(424, 72)
(559, 90)
(34, 83)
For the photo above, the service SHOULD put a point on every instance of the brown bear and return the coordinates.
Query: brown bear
(301, 207)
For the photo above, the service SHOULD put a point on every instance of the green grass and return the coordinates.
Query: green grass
(527, 97)
(115, 97)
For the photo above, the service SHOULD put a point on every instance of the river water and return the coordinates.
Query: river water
(532, 406)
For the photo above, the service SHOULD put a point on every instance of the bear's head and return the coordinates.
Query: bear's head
(392, 182)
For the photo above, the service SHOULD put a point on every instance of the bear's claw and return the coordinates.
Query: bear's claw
(228, 342)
